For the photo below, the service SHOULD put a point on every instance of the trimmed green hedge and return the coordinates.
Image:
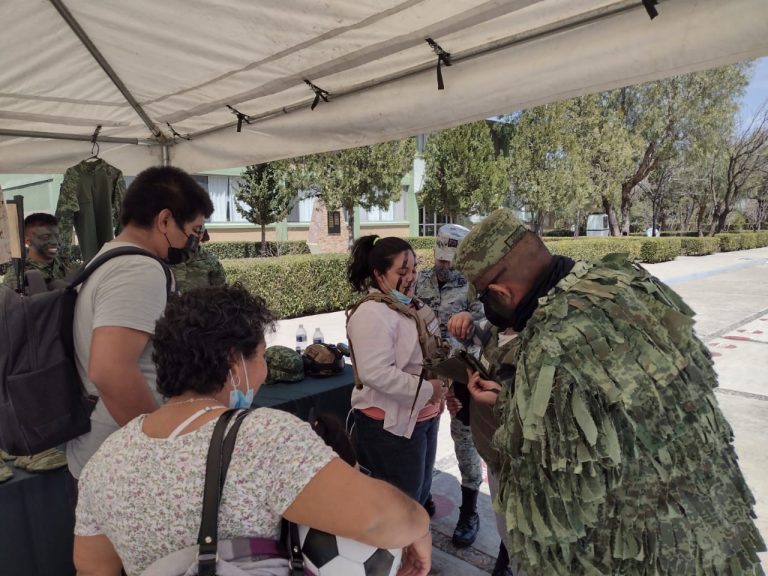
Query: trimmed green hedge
(301, 285)
(238, 249)
(699, 246)
(659, 249)
(595, 248)
(421, 242)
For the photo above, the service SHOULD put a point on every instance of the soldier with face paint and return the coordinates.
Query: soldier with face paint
(41, 236)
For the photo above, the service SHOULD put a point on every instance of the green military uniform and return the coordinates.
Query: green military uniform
(445, 301)
(90, 200)
(615, 457)
(200, 271)
(57, 269)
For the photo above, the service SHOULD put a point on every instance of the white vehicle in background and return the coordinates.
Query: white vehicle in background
(597, 225)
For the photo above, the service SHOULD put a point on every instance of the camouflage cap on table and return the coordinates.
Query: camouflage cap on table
(283, 365)
(485, 245)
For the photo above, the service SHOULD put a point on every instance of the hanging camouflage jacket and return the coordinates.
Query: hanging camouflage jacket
(616, 458)
(200, 271)
(90, 201)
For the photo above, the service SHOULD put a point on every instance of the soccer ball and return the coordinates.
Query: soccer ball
(329, 555)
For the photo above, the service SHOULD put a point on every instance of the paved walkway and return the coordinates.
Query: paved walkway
(729, 292)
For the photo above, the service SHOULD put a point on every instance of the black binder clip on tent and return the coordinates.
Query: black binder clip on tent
(319, 93)
(176, 134)
(240, 118)
(443, 57)
(650, 7)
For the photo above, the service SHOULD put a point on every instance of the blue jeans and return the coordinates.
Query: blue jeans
(403, 462)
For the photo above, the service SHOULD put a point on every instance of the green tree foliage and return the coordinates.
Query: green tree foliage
(369, 177)
(266, 194)
(548, 173)
(671, 115)
(463, 173)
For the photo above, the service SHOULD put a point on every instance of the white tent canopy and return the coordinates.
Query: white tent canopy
(145, 70)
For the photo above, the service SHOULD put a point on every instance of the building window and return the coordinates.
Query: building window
(395, 212)
(303, 206)
(334, 222)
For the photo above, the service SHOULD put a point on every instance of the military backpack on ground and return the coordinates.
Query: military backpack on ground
(322, 360)
(42, 400)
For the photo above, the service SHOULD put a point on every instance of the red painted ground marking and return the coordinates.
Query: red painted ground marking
(730, 346)
(741, 330)
(443, 506)
(714, 344)
(757, 331)
(740, 338)
(715, 354)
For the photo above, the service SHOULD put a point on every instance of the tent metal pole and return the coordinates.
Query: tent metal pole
(65, 136)
(88, 43)
(166, 155)
(456, 57)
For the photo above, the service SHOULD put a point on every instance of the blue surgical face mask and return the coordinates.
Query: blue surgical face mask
(238, 400)
(400, 297)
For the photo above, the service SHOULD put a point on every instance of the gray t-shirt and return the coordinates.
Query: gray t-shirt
(129, 292)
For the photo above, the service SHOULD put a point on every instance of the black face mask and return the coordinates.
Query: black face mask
(496, 313)
(181, 255)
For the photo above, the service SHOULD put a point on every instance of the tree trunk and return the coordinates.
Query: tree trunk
(349, 214)
(576, 225)
(646, 166)
(539, 223)
(263, 240)
(613, 224)
(700, 218)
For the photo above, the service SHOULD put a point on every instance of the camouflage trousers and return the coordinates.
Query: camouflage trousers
(470, 464)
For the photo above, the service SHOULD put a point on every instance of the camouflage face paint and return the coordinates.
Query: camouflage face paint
(44, 240)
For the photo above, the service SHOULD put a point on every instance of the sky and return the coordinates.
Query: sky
(757, 92)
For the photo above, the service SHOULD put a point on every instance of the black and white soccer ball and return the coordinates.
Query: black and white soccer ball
(329, 555)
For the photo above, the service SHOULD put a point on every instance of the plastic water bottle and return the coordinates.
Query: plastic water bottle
(317, 337)
(301, 339)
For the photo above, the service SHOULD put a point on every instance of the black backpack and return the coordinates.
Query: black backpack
(42, 401)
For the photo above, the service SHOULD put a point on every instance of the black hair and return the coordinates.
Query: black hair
(40, 219)
(201, 332)
(369, 254)
(162, 187)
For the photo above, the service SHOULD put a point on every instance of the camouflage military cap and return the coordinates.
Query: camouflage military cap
(283, 365)
(485, 245)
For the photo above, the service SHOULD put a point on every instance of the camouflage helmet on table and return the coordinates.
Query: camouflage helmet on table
(283, 365)
(323, 360)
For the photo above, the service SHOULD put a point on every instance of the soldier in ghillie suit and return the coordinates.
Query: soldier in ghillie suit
(444, 289)
(200, 271)
(614, 455)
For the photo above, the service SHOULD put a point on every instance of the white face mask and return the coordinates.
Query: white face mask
(237, 399)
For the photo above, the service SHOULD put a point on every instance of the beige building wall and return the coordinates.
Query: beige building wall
(399, 229)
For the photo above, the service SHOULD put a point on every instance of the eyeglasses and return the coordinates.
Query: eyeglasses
(483, 294)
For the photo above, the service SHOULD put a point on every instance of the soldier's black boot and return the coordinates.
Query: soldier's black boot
(501, 568)
(469, 522)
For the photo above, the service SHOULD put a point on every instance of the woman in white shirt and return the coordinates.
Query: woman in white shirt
(140, 496)
(396, 421)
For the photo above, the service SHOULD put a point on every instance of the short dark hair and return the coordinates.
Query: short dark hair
(369, 254)
(162, 187)
(40, 219)
(200, 334)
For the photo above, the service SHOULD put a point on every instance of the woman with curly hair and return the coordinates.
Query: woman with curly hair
(141, 494)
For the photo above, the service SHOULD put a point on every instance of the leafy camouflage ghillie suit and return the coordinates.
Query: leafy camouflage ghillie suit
(90, 201)
(200, 271)
(57, 269)
(615, 457)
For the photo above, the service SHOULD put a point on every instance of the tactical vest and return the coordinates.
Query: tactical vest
(427, 325)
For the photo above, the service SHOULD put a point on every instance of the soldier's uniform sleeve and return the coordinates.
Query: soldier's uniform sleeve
(612, 443)
(216, 275)
(10, 279)
(66, 209)
(118, 193)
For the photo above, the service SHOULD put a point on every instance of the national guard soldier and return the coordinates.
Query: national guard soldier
(41, 236)
(614, 455)
(444, 290)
